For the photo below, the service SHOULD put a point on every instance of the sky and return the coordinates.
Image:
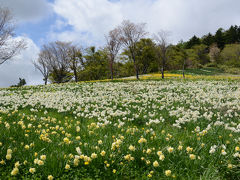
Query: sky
(85, 22)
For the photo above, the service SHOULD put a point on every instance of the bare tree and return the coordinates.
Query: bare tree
(58, 60)
(113, 47)
(9, 47)
(130, 34)
(75, 59)
(161, 39)
(214, 53)
(42, 64)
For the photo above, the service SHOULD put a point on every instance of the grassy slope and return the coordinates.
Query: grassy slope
(179, 163)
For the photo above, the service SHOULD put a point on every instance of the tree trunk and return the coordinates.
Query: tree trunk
(135, 66)
(183, 69)
(75, 75)
(45, 81)
(111, 68)
(163, 68)
(162, 71)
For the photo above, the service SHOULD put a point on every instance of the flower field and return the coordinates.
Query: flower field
(171, 129)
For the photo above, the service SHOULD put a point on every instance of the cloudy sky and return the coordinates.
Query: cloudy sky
(86, 21)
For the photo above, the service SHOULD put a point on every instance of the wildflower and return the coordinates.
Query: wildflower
(9, 156)
(170, 149)
(237, 148)
(78, 138)
(100, 142)
(15, 171)
(40, 162)
(230, 166)
(223, 152)
(148, 151)
(161, 157)
(67, 166)
(180, 147)
(9, 151)
(127, 157)
(86, 163)
(142, 140)
(168, 172)
(114, 171)
(2, 162)
(159, 153)
(78, 150)
(132, 148)
(32, 170)
(43, 157)
(50, 177)
(66, 140)
(93, 155)
(103, 153)
(17, 164)
(189, 149)
(192, 156)
(155, 164)
(148, 162)
(76, 162)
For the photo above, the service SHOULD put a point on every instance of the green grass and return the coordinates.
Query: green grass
(202, 71)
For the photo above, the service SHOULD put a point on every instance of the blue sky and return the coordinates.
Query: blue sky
(85, 22)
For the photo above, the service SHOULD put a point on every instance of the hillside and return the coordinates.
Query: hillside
(120, 130)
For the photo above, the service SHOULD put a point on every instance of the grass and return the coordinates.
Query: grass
(202, 71)
(148, 129)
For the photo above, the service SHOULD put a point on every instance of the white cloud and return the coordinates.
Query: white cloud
(183, 18)
(21, 66)
(27, 10)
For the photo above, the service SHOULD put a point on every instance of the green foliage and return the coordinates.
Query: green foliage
(192, 42)
(21, 83)
(177, 56)
(197, 56)
(60, 76)
(95, 65)
(146, 56)
(231, 55)
(208, 39)
(219, 38)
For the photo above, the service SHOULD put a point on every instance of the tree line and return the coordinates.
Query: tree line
(129, 50)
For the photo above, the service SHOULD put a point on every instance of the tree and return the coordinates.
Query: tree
(130, 34)
(113, 47)
(58, 61)
(231, 35)
(192, 42)
(214, 53)
(9, 47)
(162, 48)
(42, 64)
(219, 38)
(75, 59)
(21, 83)
(198, 56)
(231, 55)
(95, 65)
(178, 57)
(208, 39)
(146, 56)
